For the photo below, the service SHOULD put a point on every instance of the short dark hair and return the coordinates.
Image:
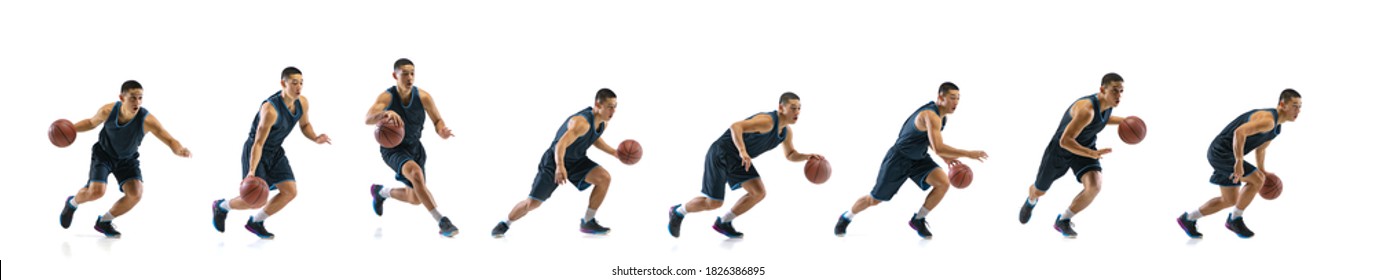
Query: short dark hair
(788, 96)
(1111, 77)
(290, 70)
(129, 85)
(947, 87)
(401, 62)
(604, 94)
(1288, 94)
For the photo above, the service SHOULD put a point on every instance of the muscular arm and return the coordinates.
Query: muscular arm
(931, 123)
(1259, 123)
(378, 112)
(791, 153)
(305, 123)
(760, 123)
(434, 112)
(1115, 120)
(267, 116)
(1080, 115)
(95, 121)
(1261, 156)
(576, 128)
(152, 125)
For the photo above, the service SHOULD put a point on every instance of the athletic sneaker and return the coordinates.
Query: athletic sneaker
(1063, 226)
(447, 228)
(591, 227)
(1189, 226)
(1026, 213)
(841, 224)
(107, 228)
(218, 219)
(675, 220)
(257, 228)
(500, 230)
(726, 229)
(67, 211)
(377, 199)
(920, 225)
(1238, 227)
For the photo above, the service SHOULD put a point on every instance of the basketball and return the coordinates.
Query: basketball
(62, 133)
(389, 136)
(628, 152)
(817, 170)
(961, 176)
(1271, 189)
(253, 190)
(1132, 130)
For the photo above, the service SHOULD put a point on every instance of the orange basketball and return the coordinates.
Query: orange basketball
(253, 190)
(1132, 130)
(817, 170)
(1271, 188)
(62, 133)
(628, 152)
(389, 136)
(961, 176)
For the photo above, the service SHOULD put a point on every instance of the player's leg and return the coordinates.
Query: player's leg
(540, 190)
(1092, 182)
(1251, 185)
(1051, 169)
(92, 191)
(1227, 198)
(133, 193)
(713, 194)
(601, 182)
(754, 194)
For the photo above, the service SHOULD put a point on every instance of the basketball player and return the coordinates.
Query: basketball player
(263, 156)
(908, 160)
(728, 161)
(1073, 148)
(122, 124)
(1251, 131)
(566, 161)
(407, 159)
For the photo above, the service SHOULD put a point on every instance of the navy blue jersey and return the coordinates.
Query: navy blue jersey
(579, 148)
(755, 143)
(1090, 134)
(1222, 146)
(913, 143)
(412, 115)
(286, 122)
(121, 141)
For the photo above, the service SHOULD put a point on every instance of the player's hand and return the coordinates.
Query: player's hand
(1101, 152)
(977, 155)
(954, 163)
(444, 132)
(250, 175)
(816, 156)
(1237, 173)
(184, 152)
(560, 176)
(391, 118)
(323, 139)
(745, 161)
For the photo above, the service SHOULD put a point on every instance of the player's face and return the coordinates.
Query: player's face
(1291, 109)
(405, 76)
(951, 99)
(133, 99)
(1113, 92)
(790, 110)
(606, 108)
(292, 85)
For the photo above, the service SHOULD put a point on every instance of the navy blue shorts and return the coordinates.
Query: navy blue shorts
(544, 184)
(273, 167)
(124, 169)
(720, 170)
(1056, 161)
(897, 169)
(1223, 171)
(397, 157)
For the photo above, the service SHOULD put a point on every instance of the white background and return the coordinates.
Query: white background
(505, 75)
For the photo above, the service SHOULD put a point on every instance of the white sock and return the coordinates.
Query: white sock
(728, 217)
(681, 210)
(1237, 213)
(436, 213)
(848, 215)
(224, 205)
(507, 222)
(261, 216)
(1068, 214)
(588, 216)
(385, 192)
(922, 212)
(107, 217)
(1194, 215)
(72, 201)
(1032, 201)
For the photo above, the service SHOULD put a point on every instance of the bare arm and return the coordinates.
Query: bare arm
(576, 128)
(931, 123)
(1115, 120)
(1258, 123)
(602, 145)
(434, 112)
(378, 112)
(95, 121)
(152, 125)
(267, 116)
(305, 124)
(1261, 156)
(760, 123)
(1080, 115)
